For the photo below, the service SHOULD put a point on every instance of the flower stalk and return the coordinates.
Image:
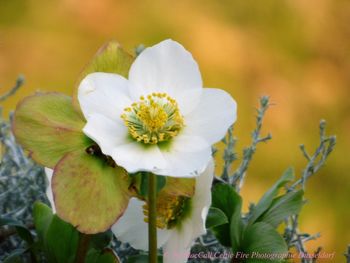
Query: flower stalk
(152, 223)
(83, 247)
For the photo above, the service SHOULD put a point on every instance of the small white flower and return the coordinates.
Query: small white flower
(176, 240)
(160, 119)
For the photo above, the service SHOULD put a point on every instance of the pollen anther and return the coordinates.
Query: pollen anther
(170, 209)
(155, 118)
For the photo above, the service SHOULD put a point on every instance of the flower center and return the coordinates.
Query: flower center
(153, 119)
(170, 210)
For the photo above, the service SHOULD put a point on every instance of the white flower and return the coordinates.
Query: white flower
(177, 240)
(161, 119)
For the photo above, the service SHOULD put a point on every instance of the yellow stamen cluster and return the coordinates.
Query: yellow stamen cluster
(170, 208)
(153, 119)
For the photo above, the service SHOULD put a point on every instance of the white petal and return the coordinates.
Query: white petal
(106, 133)
(201, 200)
(132, 229)
(167, 67)
(135, 157)
(49, 194)
(188, 100)
(177, 248)
(212, 117)
(104, 93)
(187, 156)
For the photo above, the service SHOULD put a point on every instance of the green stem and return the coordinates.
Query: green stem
(152, 217)
(83, 248)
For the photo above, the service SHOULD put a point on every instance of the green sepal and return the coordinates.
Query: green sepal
(110, 58)
(89, 193)
(47, 125)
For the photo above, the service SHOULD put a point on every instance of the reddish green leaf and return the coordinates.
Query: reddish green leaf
(109, 58)
(47, 125)
(89, 193)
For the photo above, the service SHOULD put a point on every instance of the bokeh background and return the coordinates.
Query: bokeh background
(295, 51)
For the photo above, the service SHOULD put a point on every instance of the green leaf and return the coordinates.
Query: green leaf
(105, 256)
(109, 58)
(283, 207)
(92, 256)
(21, 229)
(108, 256)
(215, 218)
(89, 194)
(225, 198)
(62, 240)
(268, 197)
(101, 240)
(48, 127)
(262, 238)
(42, 219)
(236, 228)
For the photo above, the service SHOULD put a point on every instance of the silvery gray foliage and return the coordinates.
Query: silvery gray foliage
(237, 178)
(22, 182)
(292, 235)
(209, 248)
(19, 83)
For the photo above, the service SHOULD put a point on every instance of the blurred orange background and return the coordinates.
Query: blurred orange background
(295, 51)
